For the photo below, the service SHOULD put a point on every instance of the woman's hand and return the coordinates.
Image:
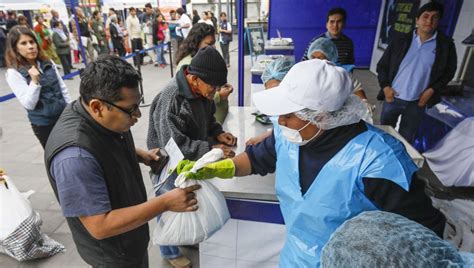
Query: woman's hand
(34, 74)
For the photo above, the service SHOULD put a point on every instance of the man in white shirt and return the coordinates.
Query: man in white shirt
(134, 32)
(184, 23)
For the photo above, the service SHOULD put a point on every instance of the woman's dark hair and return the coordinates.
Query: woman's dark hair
(12, 57)
(94, 14)
(180, 11)
(223, 14)
(432, 6)
(190, 45)
(105, 77)
(195, 12)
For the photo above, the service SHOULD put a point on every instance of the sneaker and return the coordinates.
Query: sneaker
(180, 262)
(156, 64)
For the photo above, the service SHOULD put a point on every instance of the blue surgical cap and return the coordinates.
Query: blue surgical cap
(383, 239)
(325, 46)
(277, 69)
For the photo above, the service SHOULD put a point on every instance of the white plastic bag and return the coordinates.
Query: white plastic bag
(14, 207)
(189, 228)
(20, 233)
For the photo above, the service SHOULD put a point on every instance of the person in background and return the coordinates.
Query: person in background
(93, 168)
(147, 26)
(330, 165)
(98, 28)
(196, 17)
(3, 38)
(11, 20)
(35, 81)
(184, 23)
(112, 13)
(324, 49)
(117, 37)
(225, 37)
(55, 18)
(336, 20)
(206, 18)
(213, 19)
(201, 36)
(159, 28)
(413, 71)
(176, 39)
(135, 31)
(45, 39)
(23, 21)
(271, 77)
(63, 49)
(125, 43)
(85, 34)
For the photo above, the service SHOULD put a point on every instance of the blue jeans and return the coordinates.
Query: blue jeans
(411, 117)
(167, 252)
(160, 54)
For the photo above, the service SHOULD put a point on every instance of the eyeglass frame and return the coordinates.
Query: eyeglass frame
(129, 113)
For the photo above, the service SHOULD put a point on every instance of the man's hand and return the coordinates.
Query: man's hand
(225, 91)
(181, 199)
(390, 94)
(425, 97)
(227, 139)
(147, 157)
(228, 152)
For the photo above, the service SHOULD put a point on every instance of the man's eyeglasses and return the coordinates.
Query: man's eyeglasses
(134, 110)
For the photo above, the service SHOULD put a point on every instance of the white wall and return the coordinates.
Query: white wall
(464, 27)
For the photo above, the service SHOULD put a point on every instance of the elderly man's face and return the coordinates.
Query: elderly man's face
(293, 122)
(272, 83)
(335, 24)
(318, 55)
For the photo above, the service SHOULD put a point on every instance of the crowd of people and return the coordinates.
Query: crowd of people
(331, 164)
(141, 28)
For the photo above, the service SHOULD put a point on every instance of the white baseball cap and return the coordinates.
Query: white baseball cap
(315, 84)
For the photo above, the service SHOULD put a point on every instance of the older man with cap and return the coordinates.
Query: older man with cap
(330, 166)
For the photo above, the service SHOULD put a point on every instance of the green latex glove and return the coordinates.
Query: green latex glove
(184, 165)
(224, 169)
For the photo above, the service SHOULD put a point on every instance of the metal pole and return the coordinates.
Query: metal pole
(139, 70)
(171, 58)
(240, 27)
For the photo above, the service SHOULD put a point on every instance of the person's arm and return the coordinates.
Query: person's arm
(449, 71)
(62, 85)
(27, 94)
(383, 67)
(83, 193)
(169, 123)
(215, 129)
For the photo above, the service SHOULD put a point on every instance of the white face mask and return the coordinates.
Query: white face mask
(294, 136)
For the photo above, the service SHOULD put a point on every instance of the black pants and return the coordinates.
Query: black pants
(225, 52)
(42, 133)
(66, 62)
(118, 264)
(2, 50)
(118, 47)
(137, 44)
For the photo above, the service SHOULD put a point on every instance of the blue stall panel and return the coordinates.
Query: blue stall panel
(304, 19)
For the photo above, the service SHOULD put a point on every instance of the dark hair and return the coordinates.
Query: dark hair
(132, 9)
(55, 24)
(21, 18)
(223, 14)
(180, 11)
(95, 13)
(148, 5)
(338, 10)
(190, 45)
(12, 57)
(195, 12)
(105, 77)
(37, 17)
(432, 6)
(113, 10)
(172, 11)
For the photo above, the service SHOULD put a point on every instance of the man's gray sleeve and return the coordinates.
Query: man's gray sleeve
(80, 182)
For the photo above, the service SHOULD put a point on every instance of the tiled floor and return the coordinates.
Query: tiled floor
(22, 157)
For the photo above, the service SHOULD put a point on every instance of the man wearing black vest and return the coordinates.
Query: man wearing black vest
(92, 165)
